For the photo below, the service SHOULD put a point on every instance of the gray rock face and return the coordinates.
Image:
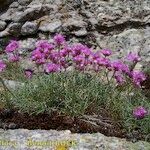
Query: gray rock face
(29, 28)
(121, 25)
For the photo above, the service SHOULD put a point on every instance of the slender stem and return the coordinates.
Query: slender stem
(6, 89)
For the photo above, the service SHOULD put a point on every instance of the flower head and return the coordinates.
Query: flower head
(79, 59)
(2, 66)
(139, 112)
(103, 61)
(77, 49)
(12, 46)
(119, 78)
(51, 68)
(138, 77)
(37, 54)
(106, 52)
(13, 58)
(43, 44)
(59, 39)
(117, 65)
(28, 73)
(134, 57)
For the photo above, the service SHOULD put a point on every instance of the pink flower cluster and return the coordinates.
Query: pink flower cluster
(11, 51)
(58, 55)
(140, 112)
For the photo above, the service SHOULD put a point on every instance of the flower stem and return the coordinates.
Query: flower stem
(6, 90)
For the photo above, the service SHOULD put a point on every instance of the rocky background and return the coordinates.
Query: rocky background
(121, 25)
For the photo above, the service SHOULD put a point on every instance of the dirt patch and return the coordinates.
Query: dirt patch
(86, 124)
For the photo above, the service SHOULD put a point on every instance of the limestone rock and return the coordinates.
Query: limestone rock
(29, 28)
(50, 138)
(4, 33)
(80, 33)
(74, 24)
(50, 26)
(32, 13)
(14, 29)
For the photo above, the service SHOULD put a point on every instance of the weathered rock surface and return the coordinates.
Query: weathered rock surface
(121, 25)
(50, 140)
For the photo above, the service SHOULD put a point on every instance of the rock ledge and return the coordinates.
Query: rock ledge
(51, 139)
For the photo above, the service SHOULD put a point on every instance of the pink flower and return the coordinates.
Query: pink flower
(96, 55)
(63, 63)
(103, 62)
(138, 77)
(78, 59)
(119, 78)
(40, 61)
(117, 65)
(120, 66)
(80, 67)
(2, 66)
(134, 57)
(106, 52)
(64, 52)
(28, 73)
(44, 44)
(125, 68)
(36, 54)
(86, 51)
(12, 46)
(54, 57)
(13, 58)
(59, 39)
(77, 49)
(140, 112)
(51, 68)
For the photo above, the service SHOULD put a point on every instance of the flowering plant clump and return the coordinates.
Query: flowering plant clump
(58, 56)
(72, 77)
(11, 51)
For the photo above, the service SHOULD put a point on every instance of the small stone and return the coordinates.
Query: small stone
(27, 45)
(51, 27)
(81, 32)
(2, 25)
(14, 28)
(4, 34)
(29, 28)
(13, 85)
(13, 126)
